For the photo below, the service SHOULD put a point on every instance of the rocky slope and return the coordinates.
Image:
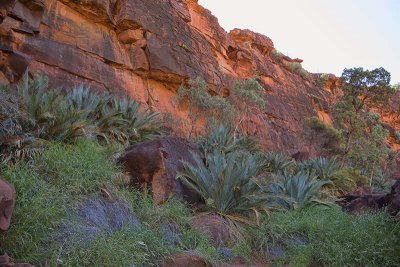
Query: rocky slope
(148, 48)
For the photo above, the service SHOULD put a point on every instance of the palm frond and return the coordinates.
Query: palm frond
(227, 182)
(297, 191)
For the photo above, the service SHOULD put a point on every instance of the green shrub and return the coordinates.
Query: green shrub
(277, 162)
(40, 115)
(323, 137)
(397, 136)
(222, 138)
(297, 68)
(331, 238)
(16, 130)
(250, 92)
(323, 168)
(323, 78)
(202, 104)
(346, 180)
(276, 55)
(297, 191)
(227, 182)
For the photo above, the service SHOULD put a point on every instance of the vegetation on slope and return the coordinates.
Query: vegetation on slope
(57, 150)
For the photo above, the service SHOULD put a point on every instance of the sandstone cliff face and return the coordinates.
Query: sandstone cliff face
(148, 48)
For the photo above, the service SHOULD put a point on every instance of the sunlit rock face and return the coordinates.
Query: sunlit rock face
(148, 48)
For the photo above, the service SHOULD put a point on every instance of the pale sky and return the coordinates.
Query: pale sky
(329, 35)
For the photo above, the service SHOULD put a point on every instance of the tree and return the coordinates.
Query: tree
(362, 90)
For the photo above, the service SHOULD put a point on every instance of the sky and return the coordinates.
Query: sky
(329, 35)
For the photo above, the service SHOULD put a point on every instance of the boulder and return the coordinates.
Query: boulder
(363, 201)
(101, 214)
(156, 163)
(7, 204)
(394, 199)
(185, 259)
(215, 227)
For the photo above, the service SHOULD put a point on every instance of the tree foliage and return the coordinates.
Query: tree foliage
(364, 136)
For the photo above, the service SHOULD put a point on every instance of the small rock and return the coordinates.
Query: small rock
(226, 253)
(275, 253)
(215, 227)
(96, 216)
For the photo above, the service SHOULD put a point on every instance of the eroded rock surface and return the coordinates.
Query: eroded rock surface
(148, 48)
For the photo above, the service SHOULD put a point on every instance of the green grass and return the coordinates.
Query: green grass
(80, 169)
(334, 238)
(122, 248)
(39, 208)
(52, 185)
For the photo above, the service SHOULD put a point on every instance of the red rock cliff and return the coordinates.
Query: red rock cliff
(148, 48)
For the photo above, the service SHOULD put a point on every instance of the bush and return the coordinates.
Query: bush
(298, 191)
(221, 138)
(250, 92)
(323, 168)
(40, 115)
(227, 182)
(297, 68)
(276, 55)
(201, 103)
(345, 181)
(323, 78)
(397, 136)
(324, 138)
(277, 162)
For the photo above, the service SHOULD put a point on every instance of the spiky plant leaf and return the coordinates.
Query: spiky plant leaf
(297, 191)
(227, 182)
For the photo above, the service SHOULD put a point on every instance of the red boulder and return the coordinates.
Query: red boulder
(7, 204)
(156, 163)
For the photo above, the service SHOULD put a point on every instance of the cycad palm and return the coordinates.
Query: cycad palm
(298, 191)
(324, 168)
(227, 182)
